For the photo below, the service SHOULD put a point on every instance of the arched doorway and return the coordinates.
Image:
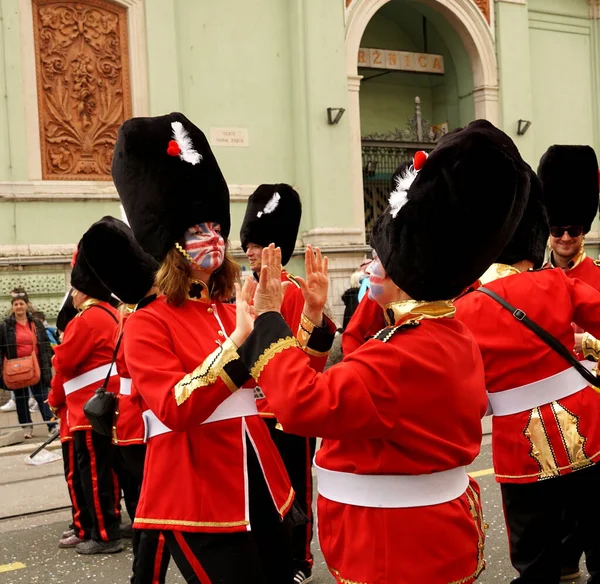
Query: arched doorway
(399, 111)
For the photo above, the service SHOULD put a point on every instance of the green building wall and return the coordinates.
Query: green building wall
(273, 67)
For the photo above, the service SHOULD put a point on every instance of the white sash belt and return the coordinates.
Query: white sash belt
(392, 491)
(87, 378)
(237, 405)
(538, 393)
(125, 388)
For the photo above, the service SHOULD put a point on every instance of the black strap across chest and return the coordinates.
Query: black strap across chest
(543, 334)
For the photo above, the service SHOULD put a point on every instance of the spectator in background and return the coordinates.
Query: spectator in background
(365, 282)
(20, 335)
(350, 296)
(10, 405)
(51, 332)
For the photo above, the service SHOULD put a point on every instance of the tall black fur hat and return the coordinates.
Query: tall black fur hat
(272, 216)
(118, 260)
(168, 180)
(470, 193)
(531, 236)
(66, 313)
(85, 280)
(569, 176)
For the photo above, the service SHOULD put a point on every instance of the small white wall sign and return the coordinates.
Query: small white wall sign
(237, 137)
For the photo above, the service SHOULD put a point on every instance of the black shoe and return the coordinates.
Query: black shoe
(91, 546)
(127, 531)
(303, 576)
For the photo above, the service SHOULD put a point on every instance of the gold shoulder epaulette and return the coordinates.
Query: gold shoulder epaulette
(293, 280)
(384, 335)
(597, 263)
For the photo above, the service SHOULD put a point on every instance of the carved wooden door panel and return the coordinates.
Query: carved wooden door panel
(83, 85)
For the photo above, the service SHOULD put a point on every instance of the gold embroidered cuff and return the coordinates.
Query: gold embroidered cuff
(590, 346)
(272, 351)
(305, 330)
(207, 373)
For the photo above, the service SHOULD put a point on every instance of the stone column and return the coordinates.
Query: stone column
(594, 14)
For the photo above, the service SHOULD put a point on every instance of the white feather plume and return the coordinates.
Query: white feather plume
(185, 144)
(398, 197)
(270, 206)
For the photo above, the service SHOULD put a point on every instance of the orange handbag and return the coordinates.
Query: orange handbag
(22, 371)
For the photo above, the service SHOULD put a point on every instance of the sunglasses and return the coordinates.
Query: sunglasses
(573, 231)
(18, 294)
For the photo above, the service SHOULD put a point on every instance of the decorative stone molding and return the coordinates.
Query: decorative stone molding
(138, 74)
(83, 85)
(513, 1)
(21, 255)
(484, 6)
(334, 237)
(46, 287)
(76, 191)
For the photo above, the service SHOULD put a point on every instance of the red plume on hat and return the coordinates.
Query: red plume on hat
(74, 258)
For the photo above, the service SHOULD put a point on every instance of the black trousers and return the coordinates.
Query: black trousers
(94, 462)
(150, 554)
(534, 513)
(297, 453)
(82, 518)
(572, 546)
(261, 556)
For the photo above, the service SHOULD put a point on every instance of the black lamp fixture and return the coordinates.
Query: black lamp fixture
(334, 115)
(523, 127)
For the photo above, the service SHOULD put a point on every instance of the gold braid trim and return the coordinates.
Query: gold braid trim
(272, 351)
(207, 373)
(305, 330)
(590, 346)
(184, 523)
(338, 576)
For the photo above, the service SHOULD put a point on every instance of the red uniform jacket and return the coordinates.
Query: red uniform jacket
(129, 425)
(586, 270)
(409, 406)
(556, 438)
(291, 310)
(195, 476)
(365, 323)
(56, 400)
(87, 347)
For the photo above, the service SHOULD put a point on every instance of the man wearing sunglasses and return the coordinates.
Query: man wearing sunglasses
(569, 176)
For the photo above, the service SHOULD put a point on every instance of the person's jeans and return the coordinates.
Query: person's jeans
(40, 395)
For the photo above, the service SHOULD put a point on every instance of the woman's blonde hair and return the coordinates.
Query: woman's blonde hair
(174, 278)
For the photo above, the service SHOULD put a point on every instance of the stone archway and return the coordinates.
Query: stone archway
(475, 34)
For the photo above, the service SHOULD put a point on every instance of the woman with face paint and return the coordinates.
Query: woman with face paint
(214, 483)
(401, 415)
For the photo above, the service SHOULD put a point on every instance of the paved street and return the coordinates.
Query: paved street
(32, 540)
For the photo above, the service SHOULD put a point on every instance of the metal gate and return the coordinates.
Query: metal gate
(381, 155)
(380, 160)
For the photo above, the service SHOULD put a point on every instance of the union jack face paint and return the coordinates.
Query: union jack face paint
(205, 245)
(377, 276)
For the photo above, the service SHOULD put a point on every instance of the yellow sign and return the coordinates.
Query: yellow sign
(401, 61)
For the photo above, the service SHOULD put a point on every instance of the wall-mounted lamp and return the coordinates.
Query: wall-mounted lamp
(523, 127)
(334, 115)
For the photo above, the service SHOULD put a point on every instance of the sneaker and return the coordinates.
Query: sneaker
(33, 405)
(91, 546)
(303, 576)
(68, 533)
(127, 531)
(69, 542)
(9, 406)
